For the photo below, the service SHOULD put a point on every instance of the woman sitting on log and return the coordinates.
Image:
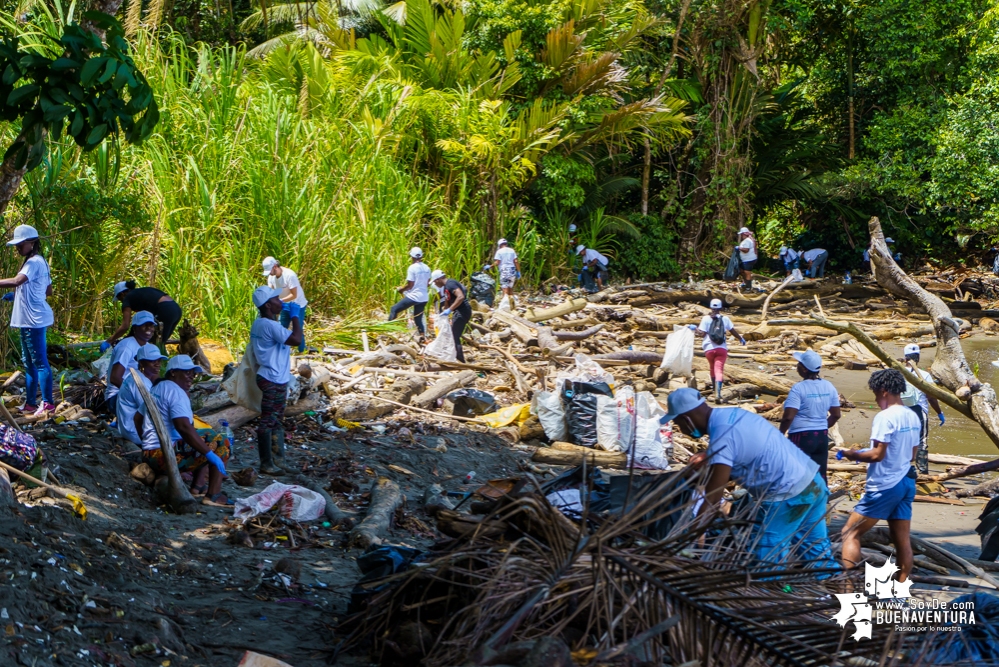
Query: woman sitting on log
(811, 409)
(193, 454)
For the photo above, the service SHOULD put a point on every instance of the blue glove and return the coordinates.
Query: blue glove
(742, 340)
(446, 312)
(839, 455)
(9, 296)
(214, 459)
(943, 420)
(105, 346)
(294, 310)
(518, 274)
(692, 327)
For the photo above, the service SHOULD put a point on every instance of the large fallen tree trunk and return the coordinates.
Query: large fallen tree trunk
(851, 291)
(768, 383)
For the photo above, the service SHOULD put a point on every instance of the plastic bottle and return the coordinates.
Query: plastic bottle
(469, 477)
(848, 280)
(227, 435)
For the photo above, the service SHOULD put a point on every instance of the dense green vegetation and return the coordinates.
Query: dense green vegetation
(336, 135)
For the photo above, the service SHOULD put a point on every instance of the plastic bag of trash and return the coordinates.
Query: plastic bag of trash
(472, 402)
(505, 304)
(242, 384)
(547, 405)
(296, 503)
(679, 356)
(580, 402)
(796, 276)
(586, 370)
(650, 449)
(733, 268)
(100, 366)
(616, 420)
(378, 564)
(442, 347)
(483, 287)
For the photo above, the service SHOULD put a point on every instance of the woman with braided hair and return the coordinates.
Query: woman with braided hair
(891, 476)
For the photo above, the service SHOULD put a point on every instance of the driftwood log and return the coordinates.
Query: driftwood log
(179, 497)
(578, 335)
(569, 306)
(443, 387)
(335, 515)
(385, 498)
(575, 456)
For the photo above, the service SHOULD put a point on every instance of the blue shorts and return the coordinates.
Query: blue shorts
(891, 504)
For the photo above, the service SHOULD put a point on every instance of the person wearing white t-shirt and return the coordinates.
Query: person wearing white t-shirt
(415, 293)
(32, 316)
(123, 356)
(747, 256)
(129, 399)
(815, 260)
(286, 281)
(194, 455)
(509, 266)
(811, 409)
(919, 402)
(594, 272)
(746, 448)
(270, 343)
(891, 477)
(714, 329)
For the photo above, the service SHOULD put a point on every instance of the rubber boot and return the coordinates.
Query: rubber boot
(264, 439)
(718, 386)
(278, 447)
(923, 460)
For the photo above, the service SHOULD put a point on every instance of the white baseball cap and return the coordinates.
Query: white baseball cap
(416, 252)
(911, 348)
(23, 233)
(182, 362)
(681, 402)
(436, 274)
(149, 352)
(580, 248)
(119, 288)
(889, 240)
(263, 294)
(269, 263)
(716, 304)
(572, 228)
(809, 359)
(745, 230)
(142, 317)
(501, 242)
(783, 250)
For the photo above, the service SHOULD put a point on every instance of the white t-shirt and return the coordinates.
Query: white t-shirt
(899, 427)
(812, 399)
(418, 273)
(31, 310)
(590, 254)
(506, 256)
(172, 402)
(921, 399)
(123, 354)
(790, 256)
(705, 326)
(274, 357)
(285, 282)
(129, 402)
(749, 244)
(769, 465)
(810, 255)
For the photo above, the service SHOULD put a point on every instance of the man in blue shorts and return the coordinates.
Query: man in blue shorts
(891, 477)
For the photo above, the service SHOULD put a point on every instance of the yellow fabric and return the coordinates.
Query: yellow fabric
(514, 413)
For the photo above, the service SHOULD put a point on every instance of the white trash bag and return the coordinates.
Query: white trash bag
(679, 356)
(505, 304)
(651, 437)
(548, 407)
(616, 420)
(100, 366)
(242, 384)
(442, 347)
(796, 276)
(297, 503)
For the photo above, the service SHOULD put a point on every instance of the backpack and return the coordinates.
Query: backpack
(716, 331)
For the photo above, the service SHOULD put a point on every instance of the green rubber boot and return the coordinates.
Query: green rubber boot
(264, 444)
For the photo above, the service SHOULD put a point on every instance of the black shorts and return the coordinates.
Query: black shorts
(748, 266)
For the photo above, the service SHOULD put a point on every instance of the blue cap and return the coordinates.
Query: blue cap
(809, 359)
(143, 317)
(681, 402)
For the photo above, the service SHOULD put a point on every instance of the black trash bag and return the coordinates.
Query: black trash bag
(472, 403)
(573, 479)
(733, 268)
(483, 288)
(580, 402)
(375, 565)
(976, 644)
(988, 521)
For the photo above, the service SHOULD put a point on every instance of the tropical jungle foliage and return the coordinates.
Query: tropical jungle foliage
(335, 135)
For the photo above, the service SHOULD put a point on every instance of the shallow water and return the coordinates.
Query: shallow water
(959, 436)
